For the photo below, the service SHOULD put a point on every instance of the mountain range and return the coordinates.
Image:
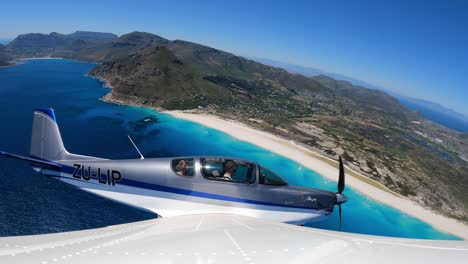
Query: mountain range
(38, 44)
(374, 133)
(311, 71)
(433, 111)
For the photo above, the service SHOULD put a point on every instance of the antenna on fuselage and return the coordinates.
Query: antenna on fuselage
(133, 143)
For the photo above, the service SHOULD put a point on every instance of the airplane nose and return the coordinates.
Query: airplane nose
(341, 198)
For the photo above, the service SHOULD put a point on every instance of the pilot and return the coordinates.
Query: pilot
(181, 168)
(230, 169)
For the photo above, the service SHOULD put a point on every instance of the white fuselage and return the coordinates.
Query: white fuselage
(167, 204)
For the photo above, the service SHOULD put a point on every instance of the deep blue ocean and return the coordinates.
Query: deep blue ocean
(31, 203)
(434, 114)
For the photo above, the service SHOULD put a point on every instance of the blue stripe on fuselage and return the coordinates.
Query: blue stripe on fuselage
(162, 188)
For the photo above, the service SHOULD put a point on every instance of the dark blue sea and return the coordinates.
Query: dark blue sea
(449, 120)
(31, 203)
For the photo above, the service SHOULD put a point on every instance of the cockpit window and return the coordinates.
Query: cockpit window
(183, 167)
(219, 169)
(270, 178)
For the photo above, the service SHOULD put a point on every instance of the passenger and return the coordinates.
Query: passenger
(181, 168)
(230, 169)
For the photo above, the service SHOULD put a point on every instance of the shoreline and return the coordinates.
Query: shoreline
(41, 58)
(19, 61)
(315, 162)
(105, 84)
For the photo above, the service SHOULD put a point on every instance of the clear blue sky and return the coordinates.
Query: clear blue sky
(416, 48)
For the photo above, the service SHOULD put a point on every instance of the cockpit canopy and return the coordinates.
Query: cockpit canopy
(224, 169)
(227, 170)
(183, 167)
(270, 178)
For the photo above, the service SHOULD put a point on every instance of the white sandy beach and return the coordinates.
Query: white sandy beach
(21, 61)
(42, 58)
(309, 159)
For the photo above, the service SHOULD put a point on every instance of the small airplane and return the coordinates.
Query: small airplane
(180, 185)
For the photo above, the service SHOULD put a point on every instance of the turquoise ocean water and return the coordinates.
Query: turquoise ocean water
(31, 203)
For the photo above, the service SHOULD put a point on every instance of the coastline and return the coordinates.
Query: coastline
(315, 161)
(106, 84)
(41, 58)
(20, 61)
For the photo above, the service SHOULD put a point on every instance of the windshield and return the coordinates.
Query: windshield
(270, 178)
(219, 169)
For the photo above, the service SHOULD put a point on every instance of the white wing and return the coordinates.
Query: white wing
(223, 238)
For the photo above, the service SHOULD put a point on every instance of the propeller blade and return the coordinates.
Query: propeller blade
(340, 197)
(341, 179)
(339, 208)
